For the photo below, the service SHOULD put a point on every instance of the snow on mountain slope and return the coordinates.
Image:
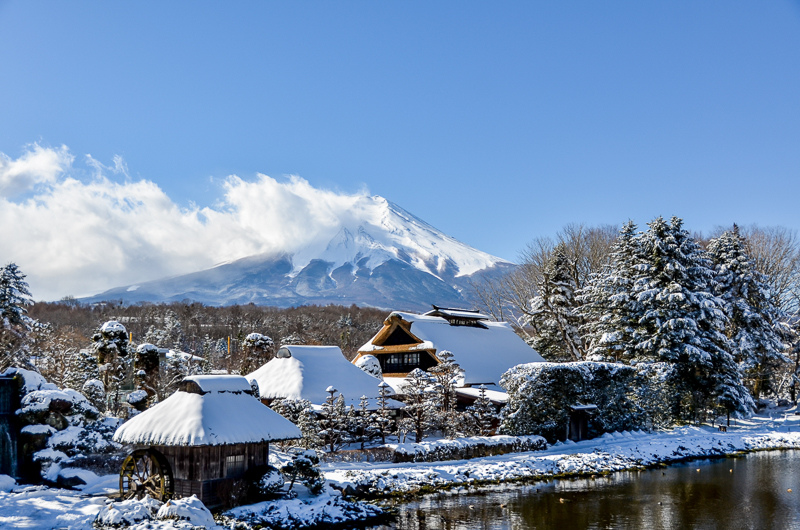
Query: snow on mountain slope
(375, 253)
(378, 230)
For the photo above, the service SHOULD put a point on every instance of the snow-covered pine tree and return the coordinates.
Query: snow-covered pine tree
(382, 420)
(446, 376)
(82, 366)
(299, 412)
(362, 422)
(484, 413)
(110, 344)
(256, 351)
(421, 408)
(552, 313)
(608, 308)
(334, 421)
(751, 311)
(15, 324)
(683, 323)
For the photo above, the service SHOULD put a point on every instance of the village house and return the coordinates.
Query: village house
(483, 349)
(306, 372)
(201, 440)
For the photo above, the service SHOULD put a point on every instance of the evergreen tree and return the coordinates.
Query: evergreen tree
(334, 421)
(683, 323)
(553, 315)
(15, 324)
(420, 409)
(299, 412)
(607, 302)
(446, 375)
(256, 351)
(111, 349)
(484, 413)
(382, 420)
(82, 366)
(751, 311)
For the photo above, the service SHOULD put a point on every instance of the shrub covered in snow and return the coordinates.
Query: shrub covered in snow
(465, 448)
(304, 467)
(270, 483)
(189, 509)
(540, 396)
(370, 364)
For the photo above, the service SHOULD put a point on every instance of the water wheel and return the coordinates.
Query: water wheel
(145, 472)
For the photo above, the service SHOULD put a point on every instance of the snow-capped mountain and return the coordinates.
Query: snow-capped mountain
(379, 255)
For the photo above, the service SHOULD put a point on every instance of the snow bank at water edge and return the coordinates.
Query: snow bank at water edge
(608, 453)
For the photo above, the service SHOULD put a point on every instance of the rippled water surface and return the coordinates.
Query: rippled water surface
(746, 492)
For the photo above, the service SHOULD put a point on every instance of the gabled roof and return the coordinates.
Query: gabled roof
(304, 372)
(211, 410)
(484, 353)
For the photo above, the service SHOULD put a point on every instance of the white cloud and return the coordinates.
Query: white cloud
(38, 165)
(76, 237)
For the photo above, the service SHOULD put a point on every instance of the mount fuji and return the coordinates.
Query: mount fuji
(377, 254)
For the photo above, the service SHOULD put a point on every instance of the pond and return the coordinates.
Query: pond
(746, 492)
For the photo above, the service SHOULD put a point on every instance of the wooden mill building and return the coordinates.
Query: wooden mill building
(484, 349)
(200, 440)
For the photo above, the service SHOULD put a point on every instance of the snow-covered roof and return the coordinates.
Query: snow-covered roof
(484, 353)
(304, 372)
(456, 313)
(224, 413)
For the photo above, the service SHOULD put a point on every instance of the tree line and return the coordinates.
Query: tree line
(720, 314)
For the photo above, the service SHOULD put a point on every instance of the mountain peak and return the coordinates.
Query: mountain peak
(374, 253)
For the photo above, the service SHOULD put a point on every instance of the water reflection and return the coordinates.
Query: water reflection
(747, 492)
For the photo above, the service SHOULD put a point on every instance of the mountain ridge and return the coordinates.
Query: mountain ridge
(380, 255)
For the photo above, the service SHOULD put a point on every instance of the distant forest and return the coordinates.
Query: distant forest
(205, 330)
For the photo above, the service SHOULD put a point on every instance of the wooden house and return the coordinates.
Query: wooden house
(483, 349)
(201, 440)
(305, 372)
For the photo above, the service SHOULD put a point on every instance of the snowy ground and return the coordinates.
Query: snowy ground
(38, 507)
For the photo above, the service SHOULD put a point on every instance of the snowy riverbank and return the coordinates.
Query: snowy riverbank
(39, 507)
(608, 453)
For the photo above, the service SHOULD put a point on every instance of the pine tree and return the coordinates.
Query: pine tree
(256, 351)
(446, 375)
(607, 303)
(82, 366)
(484, 413)
(420, 409)
(553, 315)
(111, 349)
(15, 324)
(334, 421)
(750, 309)
(682, 321)
(382, 420)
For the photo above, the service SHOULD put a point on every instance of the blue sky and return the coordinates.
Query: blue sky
(496, 122)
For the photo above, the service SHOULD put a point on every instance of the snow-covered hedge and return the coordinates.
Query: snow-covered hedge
(540, 396)
(465, 448)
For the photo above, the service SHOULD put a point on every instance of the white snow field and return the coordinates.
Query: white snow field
(39, 507)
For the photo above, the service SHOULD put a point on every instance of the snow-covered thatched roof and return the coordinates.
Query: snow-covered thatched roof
(484, 353)
(304, 372)
(208, 410)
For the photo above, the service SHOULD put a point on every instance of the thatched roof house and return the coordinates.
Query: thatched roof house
(201, 439)
(305, 372)
(483, 349)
